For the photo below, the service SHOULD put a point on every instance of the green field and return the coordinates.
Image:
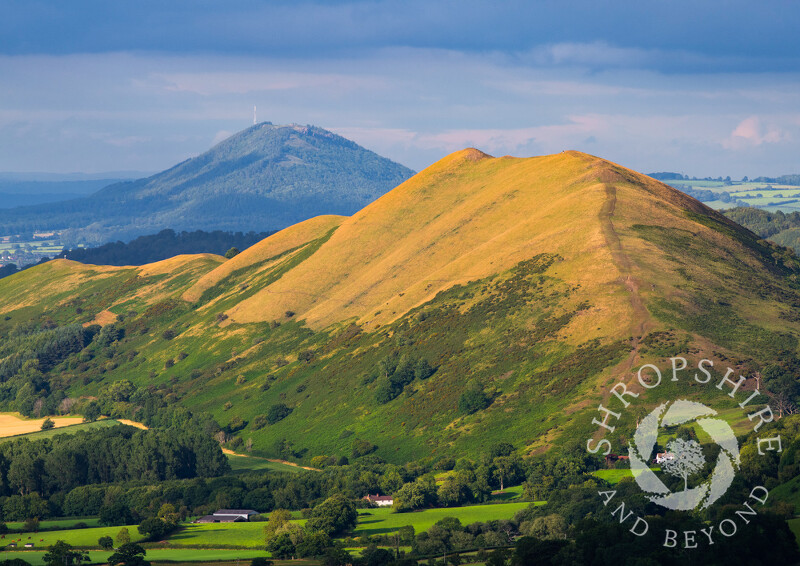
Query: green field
(56, 523)
(155, 555)
(84, 538)
(508, 494)
(382, 521)
(615, 476)
(240, 464)
(251, 535)
(220, 535)
(788, 492)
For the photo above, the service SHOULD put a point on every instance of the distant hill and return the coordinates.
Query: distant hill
(263, 178)
(484, 300)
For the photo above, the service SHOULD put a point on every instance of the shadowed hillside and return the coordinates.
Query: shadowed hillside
(483, 300)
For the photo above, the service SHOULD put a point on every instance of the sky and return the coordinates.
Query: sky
(702, 88)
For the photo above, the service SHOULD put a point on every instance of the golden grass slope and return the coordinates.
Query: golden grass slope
(180, 262)
(52, 278)
(62, 280)
(464, 218)
(270, 247)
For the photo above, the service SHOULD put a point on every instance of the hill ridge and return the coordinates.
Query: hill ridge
(398, 199)
(527, 285)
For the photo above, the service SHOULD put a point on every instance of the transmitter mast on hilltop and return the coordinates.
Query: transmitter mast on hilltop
(254, 115)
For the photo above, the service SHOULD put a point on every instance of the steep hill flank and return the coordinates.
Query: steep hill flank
(470, 216)
(277, 244)
(483, 300)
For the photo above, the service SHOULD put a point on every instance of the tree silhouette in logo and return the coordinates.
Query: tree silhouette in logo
(687, 460)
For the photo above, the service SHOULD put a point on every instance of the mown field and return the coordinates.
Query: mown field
(615, 476)
(221, 535)
(382, 521)
(84, 538)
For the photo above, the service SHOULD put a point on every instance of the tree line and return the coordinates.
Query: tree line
(163, 245)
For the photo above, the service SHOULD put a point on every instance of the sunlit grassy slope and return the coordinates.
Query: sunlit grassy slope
(465, 218)
(540, 281)
(266, 251)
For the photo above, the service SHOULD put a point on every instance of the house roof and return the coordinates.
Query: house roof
(236, 512)
(379, 497)
(220, 519)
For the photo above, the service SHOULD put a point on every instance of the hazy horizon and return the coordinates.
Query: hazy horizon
(704, 90)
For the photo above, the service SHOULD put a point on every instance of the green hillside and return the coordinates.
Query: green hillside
(261, 179)
(484, 300)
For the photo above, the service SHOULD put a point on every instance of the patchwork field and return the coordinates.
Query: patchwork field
(194, 540)
(771, 196)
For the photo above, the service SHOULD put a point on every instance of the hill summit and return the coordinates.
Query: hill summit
(482, 300)
(264, 178)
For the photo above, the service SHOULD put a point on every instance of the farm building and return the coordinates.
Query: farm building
(662, 457)
(380, 500)
(612, 459)
(228, 516)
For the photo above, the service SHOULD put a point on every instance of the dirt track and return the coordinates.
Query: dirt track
(623, 263)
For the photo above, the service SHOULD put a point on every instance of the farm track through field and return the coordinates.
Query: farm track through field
(274, 460)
